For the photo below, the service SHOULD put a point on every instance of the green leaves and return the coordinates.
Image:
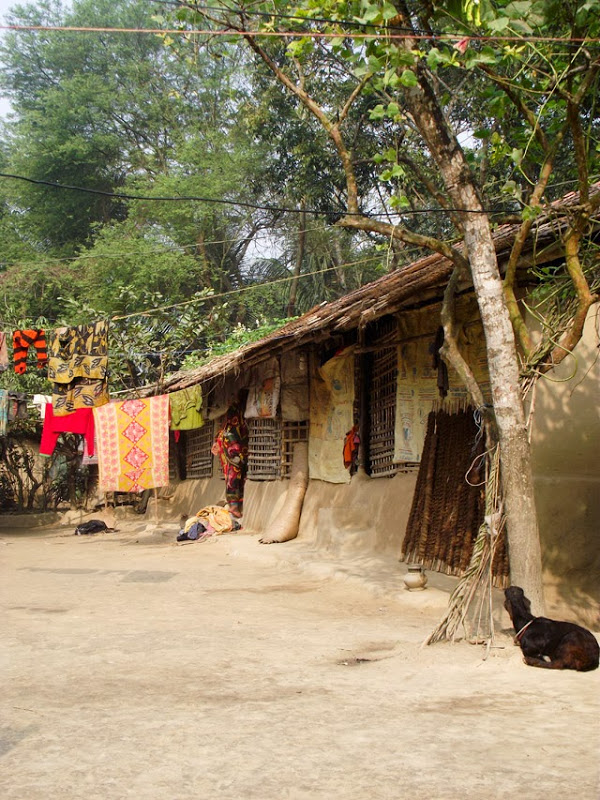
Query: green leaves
(391, 111)
(396, 171)
(408, 78)
(486, 55)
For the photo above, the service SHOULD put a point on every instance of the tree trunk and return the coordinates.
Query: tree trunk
(515, 457)
(503, 364)
(291, 308)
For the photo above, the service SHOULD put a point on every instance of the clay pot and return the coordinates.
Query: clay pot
(415, 579)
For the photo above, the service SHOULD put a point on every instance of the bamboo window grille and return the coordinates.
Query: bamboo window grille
(198, 456)
(173, 468)
(384, 378)
(264, 449)
(292, 432)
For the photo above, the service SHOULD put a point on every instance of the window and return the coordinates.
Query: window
(382, 399)
(198, 456)
(264, 449)
(292, 432)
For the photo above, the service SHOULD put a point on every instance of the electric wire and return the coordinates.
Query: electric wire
(450, 37)
(250, 287)
(255, 206)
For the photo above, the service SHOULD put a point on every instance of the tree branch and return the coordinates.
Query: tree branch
(585, 300)
(449, 350)
(363, 223)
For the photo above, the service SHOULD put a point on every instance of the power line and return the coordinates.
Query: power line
(450, 37)
(174, 248)
(267, 15)
(249, 288)
(265, 285)
(245, 204)
(169, 248)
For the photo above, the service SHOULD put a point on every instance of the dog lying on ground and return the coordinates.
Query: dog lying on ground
(547, 643)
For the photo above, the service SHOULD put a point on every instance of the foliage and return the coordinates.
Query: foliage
(237, 338)
(181, 117)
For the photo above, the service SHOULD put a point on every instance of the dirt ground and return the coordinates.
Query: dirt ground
(135, 667)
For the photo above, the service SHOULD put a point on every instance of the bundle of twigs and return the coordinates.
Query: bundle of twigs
(475, 587)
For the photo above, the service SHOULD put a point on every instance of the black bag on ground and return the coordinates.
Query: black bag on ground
(92, 526)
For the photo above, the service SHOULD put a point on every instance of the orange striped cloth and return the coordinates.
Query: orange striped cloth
(22, 341)
(133, 444)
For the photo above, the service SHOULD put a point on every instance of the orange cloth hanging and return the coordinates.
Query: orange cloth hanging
(22, 341)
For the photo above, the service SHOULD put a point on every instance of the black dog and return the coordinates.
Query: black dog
(546, 642)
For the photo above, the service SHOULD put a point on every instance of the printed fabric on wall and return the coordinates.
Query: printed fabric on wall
(294, 401)
(133, 444)
(263, 393)
(331, 417)
(418, 391)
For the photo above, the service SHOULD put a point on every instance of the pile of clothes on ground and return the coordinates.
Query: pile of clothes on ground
(209, 521)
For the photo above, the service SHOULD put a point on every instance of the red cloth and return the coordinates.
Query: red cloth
(80, 421)
(351, 443)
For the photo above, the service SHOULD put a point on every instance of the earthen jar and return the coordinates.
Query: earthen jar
(415, 579)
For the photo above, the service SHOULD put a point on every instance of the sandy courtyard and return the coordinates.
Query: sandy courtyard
(135, 668)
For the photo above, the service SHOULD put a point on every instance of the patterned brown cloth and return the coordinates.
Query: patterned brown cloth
(78, 367)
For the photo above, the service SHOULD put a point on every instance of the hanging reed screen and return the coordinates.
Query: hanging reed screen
(448, 503)
(382, 401)
(198, 458)
(264, 449)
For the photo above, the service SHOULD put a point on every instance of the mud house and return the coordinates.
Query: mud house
(364, 368)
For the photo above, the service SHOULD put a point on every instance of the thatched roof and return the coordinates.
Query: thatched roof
(419, 283)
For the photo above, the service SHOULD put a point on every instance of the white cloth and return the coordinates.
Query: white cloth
(42, 400)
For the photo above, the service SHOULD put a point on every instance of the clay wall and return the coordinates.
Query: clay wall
(566, 465)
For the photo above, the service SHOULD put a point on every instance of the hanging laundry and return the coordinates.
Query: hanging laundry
(88, 459)
(22, 341)
(186, 409)
(3, 352)
(41, 401)
(17, 406)
(80, 393)
(80, 421)
(3, 411)
(133, 444)
(78, 367)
